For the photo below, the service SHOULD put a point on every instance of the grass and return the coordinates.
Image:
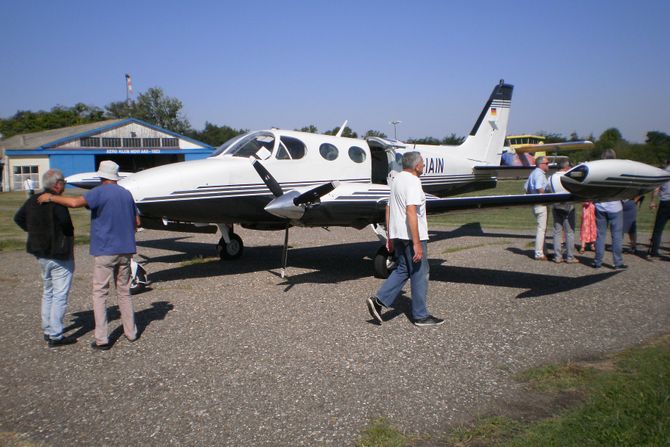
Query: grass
(14, 238)
(624, 400)
(380, 433)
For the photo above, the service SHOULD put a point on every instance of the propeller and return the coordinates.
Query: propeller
(289, 206)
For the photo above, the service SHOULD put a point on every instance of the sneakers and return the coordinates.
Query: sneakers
(541, 258)
(375, 307)
(572, 261)
(62, 342)
(620, 267)
(429, 321)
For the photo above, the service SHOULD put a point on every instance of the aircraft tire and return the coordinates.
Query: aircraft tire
(382, 265)
(230, 251)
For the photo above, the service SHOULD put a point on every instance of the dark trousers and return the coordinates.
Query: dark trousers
(662, 216)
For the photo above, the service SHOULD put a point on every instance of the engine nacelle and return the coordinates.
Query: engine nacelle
(613, 179)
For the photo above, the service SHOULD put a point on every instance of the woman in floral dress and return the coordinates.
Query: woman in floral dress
(587, 230)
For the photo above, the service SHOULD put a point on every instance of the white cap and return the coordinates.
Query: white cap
(109, 170)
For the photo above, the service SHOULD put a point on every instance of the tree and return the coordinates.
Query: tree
(215, 135)
(25, 121)
(154, 107)
(375, 133)
(609, 139)
(659, 144)
(310, 129)
(425, 140)
(452, 140)
(348, 133)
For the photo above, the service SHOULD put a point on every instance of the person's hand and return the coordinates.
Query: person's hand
(652, 205)
(389, 245)
(43, 198)
(418, 252)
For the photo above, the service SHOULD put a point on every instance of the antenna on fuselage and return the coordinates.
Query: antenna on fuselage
(339, 132)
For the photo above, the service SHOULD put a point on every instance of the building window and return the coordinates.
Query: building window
(89, 142)
(111, 142)
(328, 151)
(132, 142)
(22, 173)
(151, 142)
(170, 142)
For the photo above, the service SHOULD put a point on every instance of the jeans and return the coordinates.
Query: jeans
(57, 279)
(104, 269)
(564, 220)
(540, 212)
(417, 272)
(662, 216)
(615, 221)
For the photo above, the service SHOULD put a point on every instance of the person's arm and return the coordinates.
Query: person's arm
(413, 224)
(389, 241)
(20, 218)
(652, 201)
(70, 202)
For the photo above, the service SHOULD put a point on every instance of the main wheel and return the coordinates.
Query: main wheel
(233, 250)
(384, 263)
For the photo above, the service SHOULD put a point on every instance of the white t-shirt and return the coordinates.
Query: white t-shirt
(406, 190)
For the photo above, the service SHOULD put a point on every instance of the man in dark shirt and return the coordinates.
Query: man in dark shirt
(50, 240)
(114, 220)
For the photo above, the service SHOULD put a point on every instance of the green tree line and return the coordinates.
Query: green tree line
(155, 107)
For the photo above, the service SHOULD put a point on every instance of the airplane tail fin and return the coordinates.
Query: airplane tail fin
(487, 138)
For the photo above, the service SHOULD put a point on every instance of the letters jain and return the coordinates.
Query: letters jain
(434, 166)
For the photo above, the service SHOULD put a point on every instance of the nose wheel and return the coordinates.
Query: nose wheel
(232, 249)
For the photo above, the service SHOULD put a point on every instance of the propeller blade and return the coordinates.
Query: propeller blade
(315, 193)
(267, 178)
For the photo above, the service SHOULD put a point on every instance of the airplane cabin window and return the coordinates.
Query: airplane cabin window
(295, 148)
(282, 153)
(328, 151)
(357, 154)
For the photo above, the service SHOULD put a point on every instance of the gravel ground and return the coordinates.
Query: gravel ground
(232, 354)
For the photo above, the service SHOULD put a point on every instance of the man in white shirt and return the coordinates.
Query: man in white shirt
(536, 184)
(408, 236)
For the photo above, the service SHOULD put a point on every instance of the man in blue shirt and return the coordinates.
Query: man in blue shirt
(536, 184)
(609, 214)
(114, 220)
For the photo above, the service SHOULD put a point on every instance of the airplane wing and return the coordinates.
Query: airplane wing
(555, 147)
(437, 206)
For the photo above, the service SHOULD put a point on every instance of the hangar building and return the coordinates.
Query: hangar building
(133, 144)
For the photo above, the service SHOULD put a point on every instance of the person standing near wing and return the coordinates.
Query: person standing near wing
(536, 184)
(114, 220)
(51, 241)
(408, 235)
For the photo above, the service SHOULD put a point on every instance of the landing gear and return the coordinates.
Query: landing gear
(232, 249)
(384, 263)
(230, 245)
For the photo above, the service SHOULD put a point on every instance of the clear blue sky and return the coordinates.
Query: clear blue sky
(578, 66)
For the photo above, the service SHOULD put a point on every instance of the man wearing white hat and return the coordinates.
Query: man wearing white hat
(114, 220)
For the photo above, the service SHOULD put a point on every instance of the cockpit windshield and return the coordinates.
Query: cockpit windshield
(247, 145)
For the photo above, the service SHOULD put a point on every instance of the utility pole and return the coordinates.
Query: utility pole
(395, 123)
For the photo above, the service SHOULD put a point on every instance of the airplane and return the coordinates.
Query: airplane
(276, 179)
(89, 180)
